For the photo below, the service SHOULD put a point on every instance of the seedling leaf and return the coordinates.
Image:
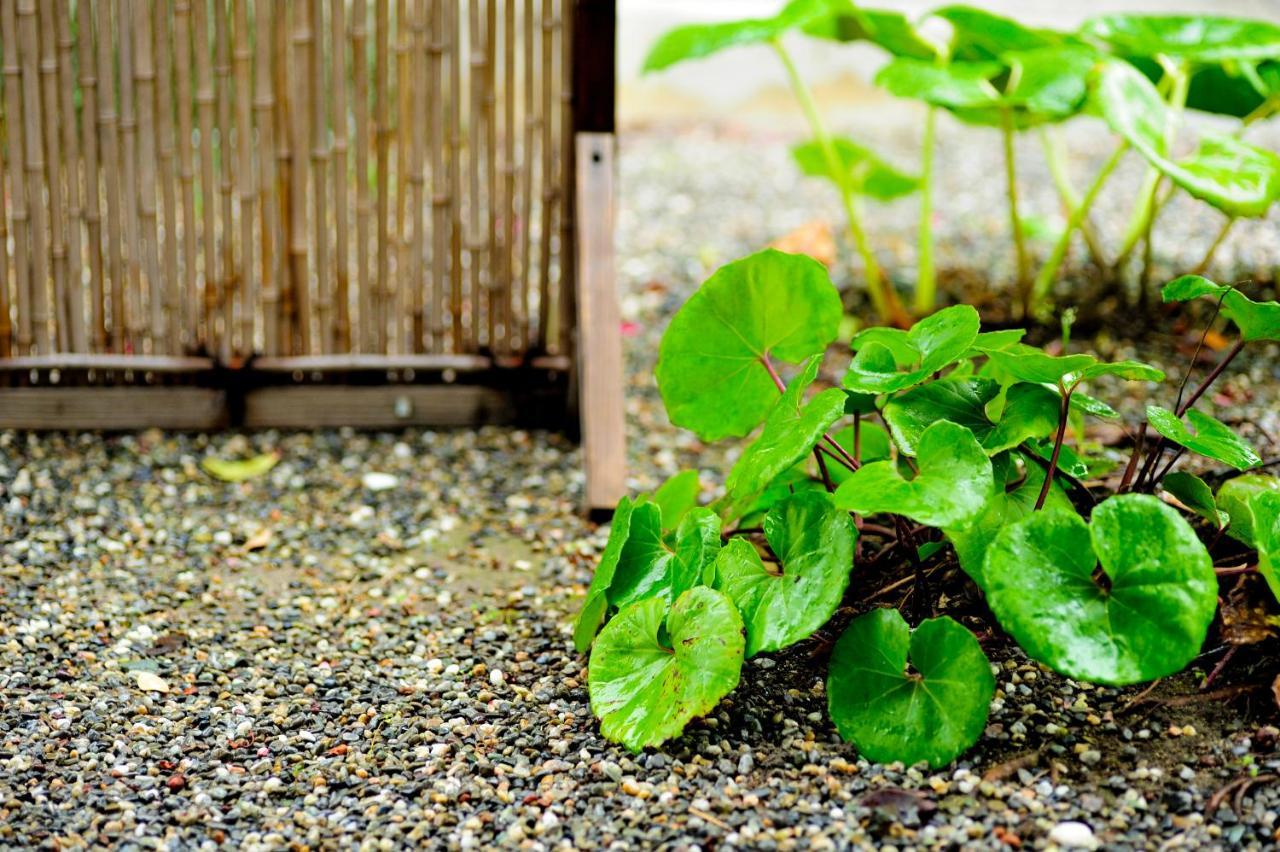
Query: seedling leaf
(695, 41)
(1196, 38)
(932, 344)
(676, 497)
(596, 603)
(910, 413)
(1211, 437)
(953, 86)
(1194, 493)
(1256, 320)
(1265, 507)
(892, 31)
(866, 172)
(1234, 498)
(931, 715)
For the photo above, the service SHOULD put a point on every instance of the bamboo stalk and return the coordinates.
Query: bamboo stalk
(173, 290)
(475, 120)
(93, 202)
(549, 193)
(526, 171)
(285, 318)
(337, 51)
(301, 283)
(268, 203)
(492, 246)
(406, 286)
(429, 60)
(568, 259)
(28, 40)
(204, 116)
(242, 58)
(511, 318)
(16, 113)
(144, 75)
(6, 320)
(382, 142)
(367, 299)
(136, 324)
(75, 307)
(189, 314)
(454, 48)
(53, 170)
(319, 166)
(108, 134)
(226, 185)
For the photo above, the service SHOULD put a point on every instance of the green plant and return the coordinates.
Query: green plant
(970, 466)
(1137, 72)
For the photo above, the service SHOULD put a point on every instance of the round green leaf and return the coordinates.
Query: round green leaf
(952, 487)
(865, 171)
(1211, 437)
(1196, 38)
(1265, 507)
(1151, 620)
(890, 30)
(697, 544)
(790, 432)
(711, 362)
(1234, 498)
(891, 714)
(931, 344)
(695, 41)
(677, 496)
(908, 414)
(1194, 493)
(645, 692)
(596, 603)
(780, 607)
(953, 86)
(1031, 412)
(977, 34)
(1019, 362)
(1256, 320)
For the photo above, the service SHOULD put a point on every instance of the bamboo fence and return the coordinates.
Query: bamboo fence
(280, 178)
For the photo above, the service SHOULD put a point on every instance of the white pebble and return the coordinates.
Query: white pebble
(1073, 835)
(375, 481)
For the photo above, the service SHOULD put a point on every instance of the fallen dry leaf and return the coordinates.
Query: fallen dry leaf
(812, 238)
(258, 540)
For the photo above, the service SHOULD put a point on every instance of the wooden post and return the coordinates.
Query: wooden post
(598, 317)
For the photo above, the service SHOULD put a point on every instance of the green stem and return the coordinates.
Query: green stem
(883, 299)
(926, 276)
(1067, 193)
(1015, 220)
(1213, 249)
(1048, 272)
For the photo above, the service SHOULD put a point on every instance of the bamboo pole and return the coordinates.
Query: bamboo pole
(108, 134)
(16, 113)
(319, 166)
(429, 60)
(242, 58)
(144, 75)
(567, 177)
(475, 120)
(527, 171)
(165, 143)
(264, 108)
(549, 188)
(204, 116)
(34, 151)
(492, 245)
(382, 141)
(53, 172)
(6, 320)
(367, 299)
(135, 320)
(226, 185)
(75, 308)
(509, 132)
(337, 58)
(93, 202)
(300, 274)
(189, 313)
(454, 48)
(285, 316)
(407, 34)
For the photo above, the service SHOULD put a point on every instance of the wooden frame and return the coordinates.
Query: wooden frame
(307, 294)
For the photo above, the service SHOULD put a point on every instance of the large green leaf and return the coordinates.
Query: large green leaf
(1147, 619)
(644, 565)
(711, 362)
(596, 603)
(1194, 493)
(1031, 412)
(1265, 507)
(814, 542)
(1256, 320)
(953, 85)
(1025, 363)
(1013, 497)
(790, 432)
(695, 41)
(977, 34)
(1234, 498)
(933, 343)
(1238, 178)
(1052, 82)
(865, 171)
(697, 544)
(677, 496)
(910, 413)
(1207, 436)
(891, 713)
(643, 691)
(890, 30)
(1195, 38)
(951, 489)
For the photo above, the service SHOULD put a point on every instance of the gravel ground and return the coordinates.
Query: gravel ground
(313, 659)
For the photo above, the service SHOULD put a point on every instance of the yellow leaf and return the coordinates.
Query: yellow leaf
(240, 469)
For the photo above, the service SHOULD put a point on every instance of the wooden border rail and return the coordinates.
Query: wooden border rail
(310, 212)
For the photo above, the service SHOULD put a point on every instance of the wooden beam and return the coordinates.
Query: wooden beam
(361, 362)
(377, 407)
(112, 409)
(107, 362)
(594, 65)
(599, 349)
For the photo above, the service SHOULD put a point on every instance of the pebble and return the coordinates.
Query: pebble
(1073, 835)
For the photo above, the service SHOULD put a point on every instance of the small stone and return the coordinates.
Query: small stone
(1073, 835)
(612, 770)
(376, 481)
(150, 681)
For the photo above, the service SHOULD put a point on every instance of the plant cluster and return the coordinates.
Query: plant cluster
(1138, 73)
(943, 443)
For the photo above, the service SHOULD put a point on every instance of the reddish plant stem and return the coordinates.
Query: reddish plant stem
(822, 468)
(1064, 413)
